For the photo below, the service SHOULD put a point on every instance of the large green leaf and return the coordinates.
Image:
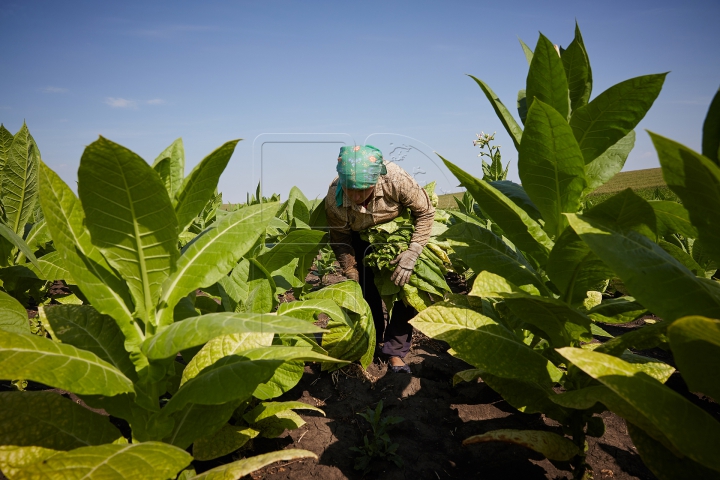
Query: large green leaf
(696, 180)
(487, 284)
(296, 244)
(551, 165)
(628, 211)
(512, 127)
(346, 294)
(13, 459)
(522, 230)
(223, 346)
(85, 328)
(653, 277)
(235, 377)
(268, 409)
(170, 165)
(480, 249)
(614, 113)
(6, 139)
(577, 70)
(605, 166)
(298, 206)
(563, 324)
(58, 365)
(485, 344)
(691, 430)
(664, 463)
(343, 342)
(546, 80)
(149, 460)
(211, 255)
(99, 283)
(198, 330)
(695, 343)
(130, 219)
(222, 442)
(350, 343)
(574, 268)
(20, 180)
(285, 377)
(711, 131)
(13, 316)
(49, 420)
(246, 466)
(309, 309)
(195, 421)
(200, 185)
(552, 445)
(672, 218)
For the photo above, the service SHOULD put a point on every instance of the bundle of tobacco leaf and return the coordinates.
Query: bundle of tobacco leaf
(427, 283)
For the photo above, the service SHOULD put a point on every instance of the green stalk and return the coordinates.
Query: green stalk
(580, 466)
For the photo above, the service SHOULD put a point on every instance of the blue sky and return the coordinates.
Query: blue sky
(144, 73)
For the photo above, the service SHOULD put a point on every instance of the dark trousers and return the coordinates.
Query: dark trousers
(397, 336)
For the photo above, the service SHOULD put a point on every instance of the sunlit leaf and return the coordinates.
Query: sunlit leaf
(546, 80)
(551, 166)
(246, 466)
(58, 365)
(213, 254)
(139, 237)
(20, 180)
(149, 460)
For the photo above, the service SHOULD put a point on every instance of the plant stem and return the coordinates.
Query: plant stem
(580, 467)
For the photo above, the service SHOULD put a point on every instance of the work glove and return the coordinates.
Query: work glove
(405, 264)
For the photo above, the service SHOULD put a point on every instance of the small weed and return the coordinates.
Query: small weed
(379, 446)
(325, 264)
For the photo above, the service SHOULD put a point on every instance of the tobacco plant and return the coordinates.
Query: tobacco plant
(279, 262)
(23, 232)
(119, 241)
(537, 283)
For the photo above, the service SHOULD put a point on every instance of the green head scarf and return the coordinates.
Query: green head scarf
(358, 168)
